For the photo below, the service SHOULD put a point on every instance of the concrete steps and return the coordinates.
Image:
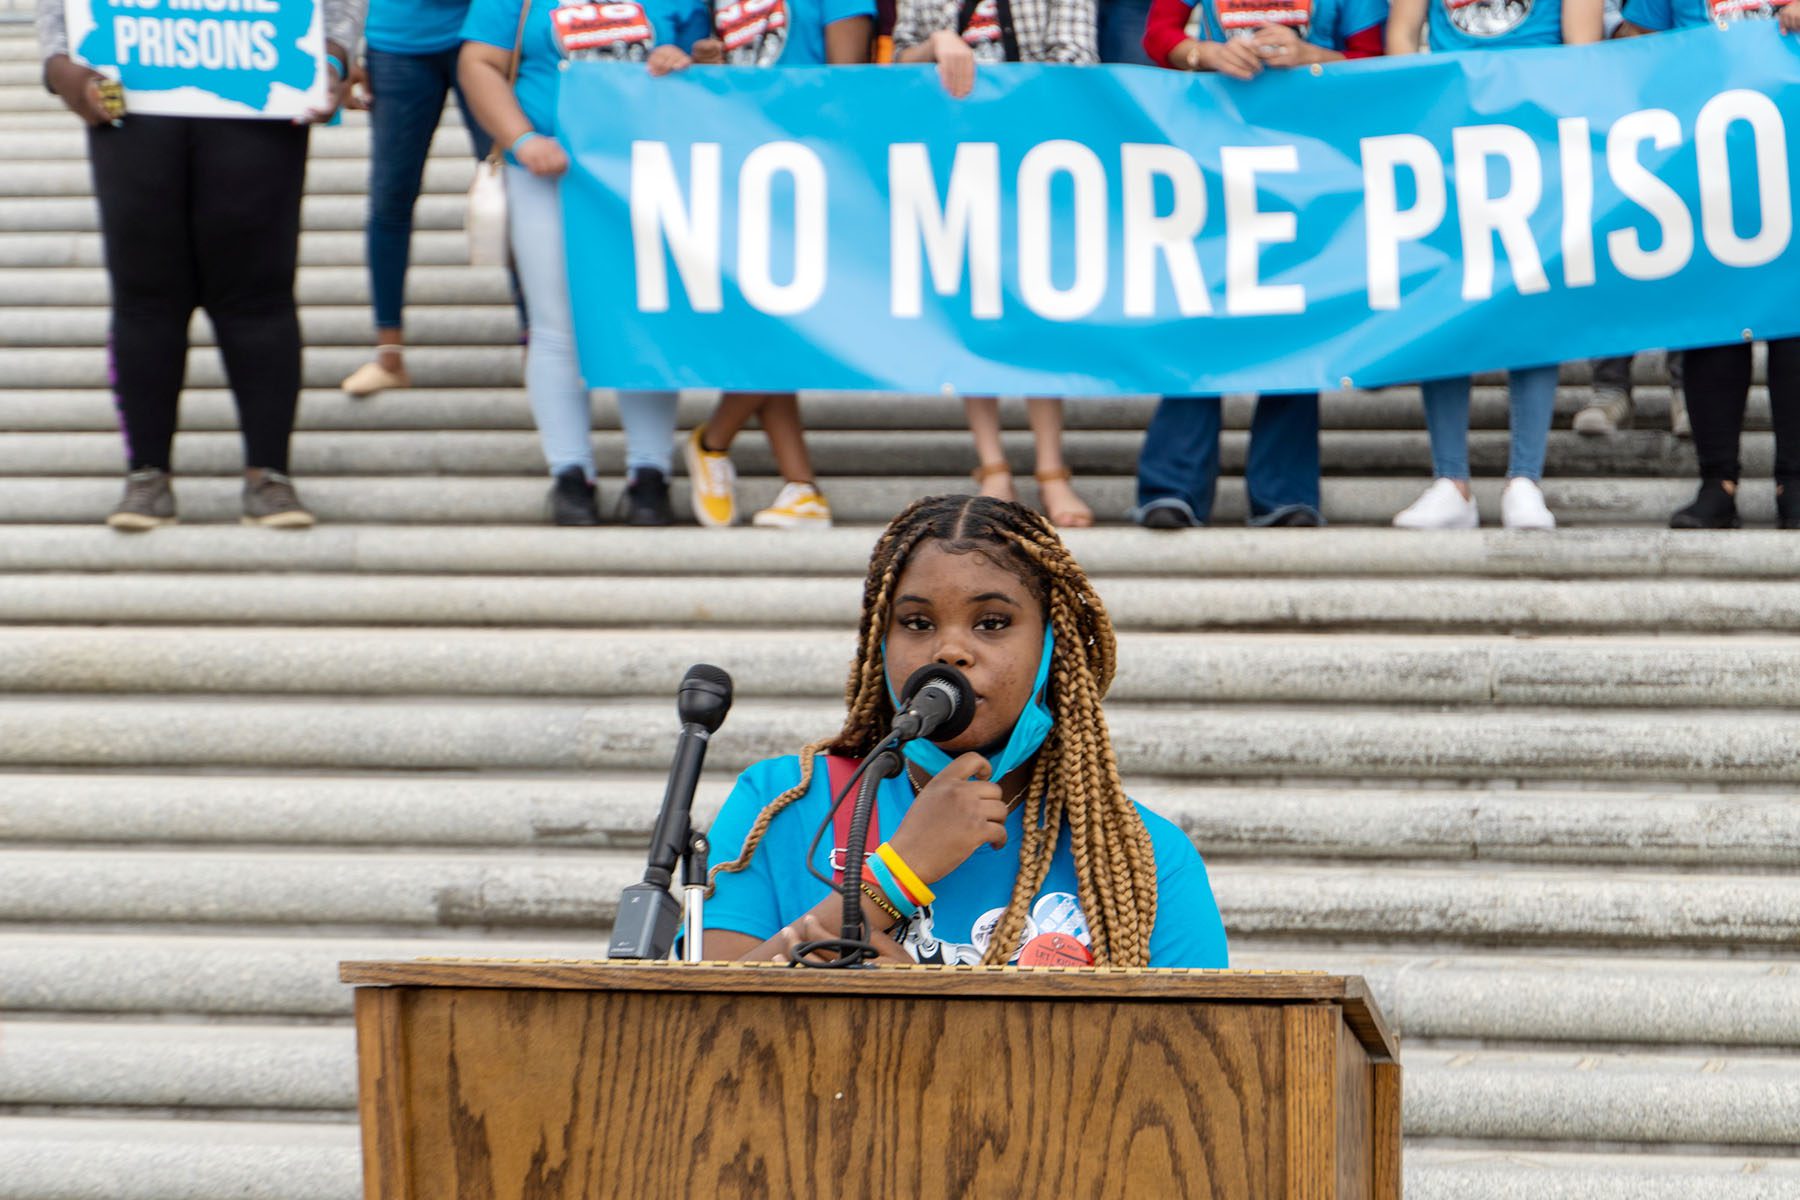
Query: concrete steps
(1541, 791)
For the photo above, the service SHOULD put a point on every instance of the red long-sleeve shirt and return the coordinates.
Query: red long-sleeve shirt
(1167, 29)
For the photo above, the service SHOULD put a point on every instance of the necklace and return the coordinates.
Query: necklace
(918, 777)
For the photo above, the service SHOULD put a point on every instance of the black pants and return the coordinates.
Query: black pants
(202, 212)
(1718, 388)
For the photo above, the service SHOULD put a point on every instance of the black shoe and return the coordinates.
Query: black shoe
(270, 501)
(572, 500)
(1713, 508)
(1166, 513)
(1289, 516)
(1787, 504)
(646, 498)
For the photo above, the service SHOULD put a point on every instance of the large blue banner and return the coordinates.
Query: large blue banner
(1071, 230)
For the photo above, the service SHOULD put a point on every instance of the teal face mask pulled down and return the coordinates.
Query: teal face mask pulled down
(1028, 733)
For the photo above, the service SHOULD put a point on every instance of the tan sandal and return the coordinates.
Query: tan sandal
(1071, 516)
(373, 377)
(996, 470)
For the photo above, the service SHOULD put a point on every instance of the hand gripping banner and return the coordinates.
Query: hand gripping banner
(1106, 230)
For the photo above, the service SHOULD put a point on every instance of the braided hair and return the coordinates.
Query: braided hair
(1075, 783)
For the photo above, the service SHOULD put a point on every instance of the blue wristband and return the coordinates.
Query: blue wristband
(521, 140)
(884, 879)
(337, 64)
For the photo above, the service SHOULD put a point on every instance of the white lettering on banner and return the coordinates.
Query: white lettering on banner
(965, 226)
(189, 42)
(1041, 163)
(1773, 194)
(660, 218)
(1508, 215)
(1663, 130)
(1574, 139)
(756, 182)
(1388, 223)
(1148, 235)
(1248, 229)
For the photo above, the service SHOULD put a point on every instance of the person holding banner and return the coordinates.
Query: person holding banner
(543, 34)
(1012, 842)
(201, 211)
(956, 35)
(805, 33)
(1717, 378)
(1448, 503)
(1178, 468)
(408, 68)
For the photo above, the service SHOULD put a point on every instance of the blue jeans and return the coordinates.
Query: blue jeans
(559, 396)
(1180, 459)
(1121, 34)
(1532, 391)
(409, 91)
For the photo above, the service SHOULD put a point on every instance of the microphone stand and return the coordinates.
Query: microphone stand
(886, 763)
(693, 895)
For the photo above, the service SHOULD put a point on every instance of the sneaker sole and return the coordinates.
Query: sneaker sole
(691, 459)
(284, 520)
(762, 521)
(138, 523)
(1589, 423)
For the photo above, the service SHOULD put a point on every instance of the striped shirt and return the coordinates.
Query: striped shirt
(1049, 31)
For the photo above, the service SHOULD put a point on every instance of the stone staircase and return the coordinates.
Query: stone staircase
(1544, 792)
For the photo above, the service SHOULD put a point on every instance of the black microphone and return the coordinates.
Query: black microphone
(937, 703)
(648, 914)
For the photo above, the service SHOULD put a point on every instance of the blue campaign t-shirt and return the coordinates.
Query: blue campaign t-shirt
(1328, 24)
(788, 33)
(776, 890)
(559, 30)
(1662, 15)
(1494, 24)
(417, 26)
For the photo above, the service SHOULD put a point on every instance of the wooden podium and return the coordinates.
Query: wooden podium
(544, 1080)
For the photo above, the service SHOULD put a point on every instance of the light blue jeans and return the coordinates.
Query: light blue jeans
(559, 397)
(1533, 406)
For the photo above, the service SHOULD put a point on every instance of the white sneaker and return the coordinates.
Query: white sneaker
(1441, 507)
(799, 506)
(1522, 506)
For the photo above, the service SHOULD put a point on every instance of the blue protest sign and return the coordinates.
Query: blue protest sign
(1076, 230)
(212, 58)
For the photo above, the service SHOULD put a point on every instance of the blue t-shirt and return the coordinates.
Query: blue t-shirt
(1494, 24)
(791, 33)
(775, 889)
(1328, 24)
(416, 26)
(1662, 15)
(623, 31)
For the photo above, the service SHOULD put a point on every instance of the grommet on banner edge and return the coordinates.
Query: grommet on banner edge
(949, 389)
(1344, 384)
(1748, 336)
(1317, 69)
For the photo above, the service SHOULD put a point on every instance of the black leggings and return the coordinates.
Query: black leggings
(1718, 388)
(202, 212)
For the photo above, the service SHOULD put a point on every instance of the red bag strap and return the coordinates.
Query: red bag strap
(839, 769)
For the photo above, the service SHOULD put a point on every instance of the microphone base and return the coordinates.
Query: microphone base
(646, 924)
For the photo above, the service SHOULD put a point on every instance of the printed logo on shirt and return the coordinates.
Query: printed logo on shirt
(1242, 18)
(1488, 18)
(1055, 935)
(619, 31)
(983, 33)
(754, 32)
(1745, 10)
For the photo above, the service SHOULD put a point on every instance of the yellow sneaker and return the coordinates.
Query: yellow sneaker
(713, 481)
(799, 506)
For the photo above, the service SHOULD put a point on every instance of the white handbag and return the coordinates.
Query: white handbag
(485, 218)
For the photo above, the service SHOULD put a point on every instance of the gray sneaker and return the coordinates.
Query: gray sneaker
(149, 501)
(1608, 412)
(1679, 424)
(270, 500)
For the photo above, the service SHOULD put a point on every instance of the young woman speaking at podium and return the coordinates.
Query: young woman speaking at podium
(1012, 842)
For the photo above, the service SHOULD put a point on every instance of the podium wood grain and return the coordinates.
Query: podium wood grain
(786, 1084)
